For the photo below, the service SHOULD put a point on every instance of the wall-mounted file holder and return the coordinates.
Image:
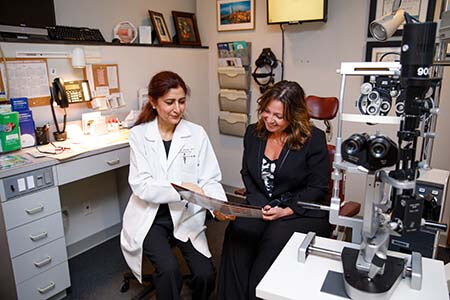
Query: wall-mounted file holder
(234, 78)
(237, 101)
(236, 49)
(232, 123)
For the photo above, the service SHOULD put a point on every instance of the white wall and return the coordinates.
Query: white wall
(105, 14)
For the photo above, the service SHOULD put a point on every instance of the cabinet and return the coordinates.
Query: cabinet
(32, 236)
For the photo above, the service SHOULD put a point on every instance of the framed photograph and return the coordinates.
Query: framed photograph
(235, 15)
(383, 51)
(186, 27)
(160, 27)
(421, 9)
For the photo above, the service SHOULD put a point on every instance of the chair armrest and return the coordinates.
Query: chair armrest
(350, 209)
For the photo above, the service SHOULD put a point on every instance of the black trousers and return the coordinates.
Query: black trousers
(251, 246)
(168, 279)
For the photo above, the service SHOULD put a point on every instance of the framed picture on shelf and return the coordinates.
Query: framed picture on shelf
(186, 27)
(383, 51)
(160, 27)
(235, 15)
(421, 9)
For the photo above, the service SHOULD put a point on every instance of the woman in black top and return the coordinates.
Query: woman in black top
(285, 160)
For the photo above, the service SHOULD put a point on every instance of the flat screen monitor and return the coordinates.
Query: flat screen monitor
(26, 18)
(296, 11)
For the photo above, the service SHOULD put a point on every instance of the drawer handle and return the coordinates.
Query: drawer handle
(113, 162)
(39, 236)
(46, 289)
(40, 264)
(35, 210)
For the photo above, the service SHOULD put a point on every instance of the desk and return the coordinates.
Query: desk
(288, 279)
(41, 219)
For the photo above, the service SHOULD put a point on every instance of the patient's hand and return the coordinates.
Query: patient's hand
(270, 213)
(223, 217)
(193, 187)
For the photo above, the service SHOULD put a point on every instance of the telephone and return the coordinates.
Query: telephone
(70, 92)
(77, 91)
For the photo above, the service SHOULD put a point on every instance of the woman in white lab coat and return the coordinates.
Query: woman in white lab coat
(165, 148)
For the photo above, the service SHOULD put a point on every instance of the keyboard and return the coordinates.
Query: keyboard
(68, 33)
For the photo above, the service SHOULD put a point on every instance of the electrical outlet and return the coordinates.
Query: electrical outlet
(87, 208)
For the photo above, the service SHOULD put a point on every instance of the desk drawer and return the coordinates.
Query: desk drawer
(39, 260)
(45, 284)
(35, 234)
(31, 207)
(84, 167)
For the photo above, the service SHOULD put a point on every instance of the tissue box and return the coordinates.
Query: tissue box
(9, 132)
(27, 133)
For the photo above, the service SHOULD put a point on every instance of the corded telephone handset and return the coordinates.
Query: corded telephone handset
(58, 95)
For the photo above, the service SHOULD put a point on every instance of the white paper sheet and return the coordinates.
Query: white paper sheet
(27, 79)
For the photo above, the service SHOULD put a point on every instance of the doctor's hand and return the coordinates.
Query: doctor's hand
(270, 213)
(193, 187)
(223, 217)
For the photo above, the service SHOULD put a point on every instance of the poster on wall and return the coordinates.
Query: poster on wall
(235, 15)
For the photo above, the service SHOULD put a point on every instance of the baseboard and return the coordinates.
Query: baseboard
(93, 240)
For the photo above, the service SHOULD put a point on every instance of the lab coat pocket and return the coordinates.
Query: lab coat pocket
(186, 163)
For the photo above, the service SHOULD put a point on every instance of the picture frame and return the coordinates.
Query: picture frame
(375, 51)
(186, 28)
(422, 9)
(235, 15)
(160, 27)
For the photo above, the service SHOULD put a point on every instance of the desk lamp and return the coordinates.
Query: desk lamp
(58, 96)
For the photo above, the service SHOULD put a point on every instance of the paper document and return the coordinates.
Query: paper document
(228, 208)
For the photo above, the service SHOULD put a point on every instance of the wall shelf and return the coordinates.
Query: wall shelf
(86, 43)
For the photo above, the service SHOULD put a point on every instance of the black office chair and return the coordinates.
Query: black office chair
(148, 278)
(215, 232)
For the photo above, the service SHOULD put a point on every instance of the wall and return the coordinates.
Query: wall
(313, 52)
(136, 66)
(105, 14)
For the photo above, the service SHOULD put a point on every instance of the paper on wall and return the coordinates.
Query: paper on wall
(27, 79)
(113, 81)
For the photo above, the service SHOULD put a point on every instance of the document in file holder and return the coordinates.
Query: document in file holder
(228, 208)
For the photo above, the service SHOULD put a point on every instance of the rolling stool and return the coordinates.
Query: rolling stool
(145, 278)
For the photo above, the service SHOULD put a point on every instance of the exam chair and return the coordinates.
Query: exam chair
(325, 109)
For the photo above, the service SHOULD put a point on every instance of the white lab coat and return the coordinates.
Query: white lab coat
(191, 159)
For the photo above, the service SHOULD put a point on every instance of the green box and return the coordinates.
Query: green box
(9, 132)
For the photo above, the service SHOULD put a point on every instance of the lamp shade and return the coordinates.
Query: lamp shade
(78, 58)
